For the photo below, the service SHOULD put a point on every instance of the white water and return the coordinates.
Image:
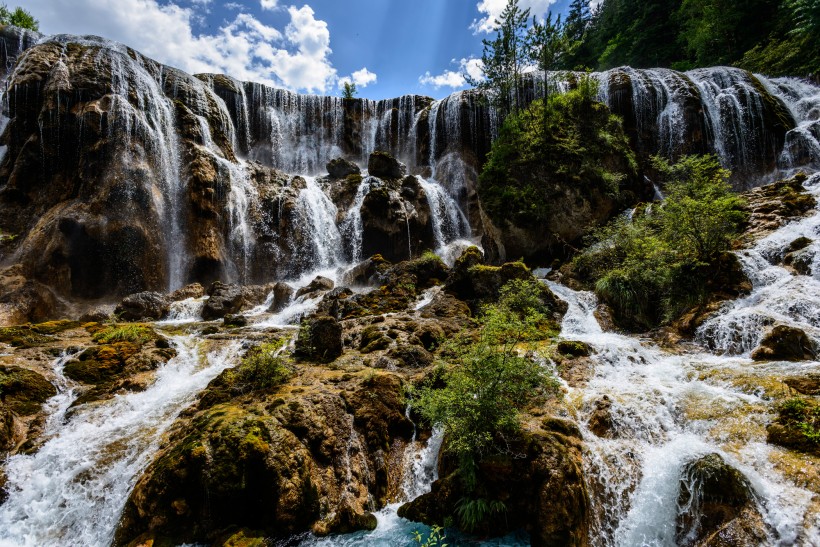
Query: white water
(670, 409)
(352, 227)
(318, 213)
(71, 492)
(185, 311)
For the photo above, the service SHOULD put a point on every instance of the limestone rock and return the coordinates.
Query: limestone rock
(194, 290)
(320, 338)
(785, 343)
(318, 285)
(383, 165)
(340, 168)
(223, 300)
(143, 306)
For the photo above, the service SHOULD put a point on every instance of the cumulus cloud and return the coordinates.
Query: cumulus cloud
(491, 10)
(245, 48)
(362, 78)
(269, 4)
(455, 78)
(234, 6)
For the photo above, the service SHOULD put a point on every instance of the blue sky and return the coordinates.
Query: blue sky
(388, 47)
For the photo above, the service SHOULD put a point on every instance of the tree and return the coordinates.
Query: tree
(545, 46)
(504, 59)
(574, 33)
(488, 382)
(19, 18)
(349, 90)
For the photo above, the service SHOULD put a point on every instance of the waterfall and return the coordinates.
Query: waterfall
(448, 220)
(352, 227)
(318, 215)
(71, 492)
(802, 147)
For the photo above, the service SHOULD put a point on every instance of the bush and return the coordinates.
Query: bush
(652, 267)
(487, 382)
(263, 367)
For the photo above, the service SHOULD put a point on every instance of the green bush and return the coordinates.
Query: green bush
(471, 512)
(654, 266)
(434, 539)
(263, 367)
(487, 382)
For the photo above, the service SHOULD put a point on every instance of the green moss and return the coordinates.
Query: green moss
(24, 390)
(22, 337)
(134, 333)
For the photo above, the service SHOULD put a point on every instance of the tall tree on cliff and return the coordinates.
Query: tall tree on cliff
(505, 58)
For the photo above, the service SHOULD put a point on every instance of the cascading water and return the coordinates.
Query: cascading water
(318, 213)
(802, 147)
(668, 409)
(352, 226)
(71, 492)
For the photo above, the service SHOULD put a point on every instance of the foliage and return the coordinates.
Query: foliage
(263, 367)
(471, 512)
(568, 141)
(504, 59)
(545, 45)
(488, 382)
(134, 333)
(771, 36)
(349, 90)
(653, 266)
(798, 412)
(18, 17)
(435, 539)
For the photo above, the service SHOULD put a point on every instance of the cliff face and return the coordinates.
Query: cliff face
(121, 174)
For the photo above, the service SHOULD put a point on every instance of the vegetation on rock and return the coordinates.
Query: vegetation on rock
(18, 17)
(651, 267)
(486, 385)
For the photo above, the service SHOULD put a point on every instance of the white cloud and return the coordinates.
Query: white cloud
(455, 78)
(491, 10)
(234, 6)
(362, 78)
(269, 4)
(244, 48)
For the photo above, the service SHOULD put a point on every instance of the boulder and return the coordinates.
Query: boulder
(319, 284)
(320, 338)
(716, 502)
(282, 296)
(235, 320)
(385, 166)
(24, 391)
(600, 422)
(99, 314)
(807, 383)
(785, 343)
(542, 489)
(143, 306)
(340, 168)
(194, 290)
(223, 300)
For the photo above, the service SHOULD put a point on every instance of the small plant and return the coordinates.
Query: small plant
(263, 367)
(472, 512)
(135, 334)
(803, 415)
(349, 90)
(18, 17)
(434, 539)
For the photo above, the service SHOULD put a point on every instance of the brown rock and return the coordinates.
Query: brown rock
(784, 343)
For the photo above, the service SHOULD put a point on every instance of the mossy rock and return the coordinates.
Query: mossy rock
(573, 348)
(23, 390)
(797, 425)
(100, 364)
(23, 337)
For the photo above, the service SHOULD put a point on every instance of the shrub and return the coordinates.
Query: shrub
(487, 382)
(263, 367)
(654, 266)
(19, 18)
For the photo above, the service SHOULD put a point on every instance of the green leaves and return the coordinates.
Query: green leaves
(487, 381)
(651, 267)
(19, 18)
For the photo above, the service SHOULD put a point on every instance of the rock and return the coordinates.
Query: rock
(543, 489)
(715, 498)
(144, 306)
(796, 425)
(600, 422)
(320, 338)
(100, 314)
(807, 383)
(254, 295)
(385, 166)
(24, 391)
(234, 320)
(785, 343)
(573, 348)
(799, 244)
(12, 431)
(223, 300)
(800, 260)
(412, 356)
(340, 168)
(194, 290)
(364, 272)
(282, 296)
(319, 284)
